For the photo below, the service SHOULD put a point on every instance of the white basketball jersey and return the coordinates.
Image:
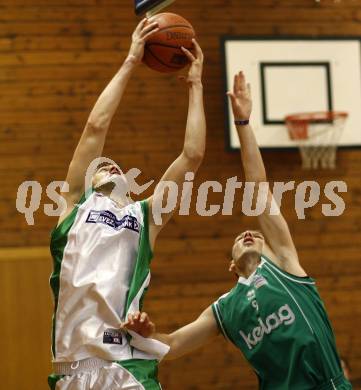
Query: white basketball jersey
(101, 256)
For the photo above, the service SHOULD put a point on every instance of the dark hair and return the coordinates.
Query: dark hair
(102, 164)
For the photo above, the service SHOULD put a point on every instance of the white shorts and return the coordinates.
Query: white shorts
(110, 377)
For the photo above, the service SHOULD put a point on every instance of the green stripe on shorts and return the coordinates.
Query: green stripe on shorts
(53, 379)
(144, 371)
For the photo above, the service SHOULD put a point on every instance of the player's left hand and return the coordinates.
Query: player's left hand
(196, 70)
(139, 323)
(241, 97)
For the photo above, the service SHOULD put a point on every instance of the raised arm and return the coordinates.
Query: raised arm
(274, 227)
(93, 137)
(194, 144)
(184, 340)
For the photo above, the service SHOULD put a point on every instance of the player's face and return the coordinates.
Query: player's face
(248, 242)
(104, 172)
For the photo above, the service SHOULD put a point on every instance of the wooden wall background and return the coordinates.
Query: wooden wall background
(55, 58)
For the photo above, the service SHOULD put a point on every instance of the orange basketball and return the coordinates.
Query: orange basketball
(163, 49)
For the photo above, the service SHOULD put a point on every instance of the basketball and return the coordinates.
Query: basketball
(163, 49)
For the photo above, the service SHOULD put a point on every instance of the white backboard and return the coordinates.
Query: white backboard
(293, 75)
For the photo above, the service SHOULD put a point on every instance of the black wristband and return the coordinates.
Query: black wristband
(241, 122)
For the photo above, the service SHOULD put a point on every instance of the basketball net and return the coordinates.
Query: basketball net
(317, 136)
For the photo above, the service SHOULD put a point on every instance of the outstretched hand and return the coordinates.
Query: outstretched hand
(241, 98)
(195, 71)
(142, 32)
(139, 323)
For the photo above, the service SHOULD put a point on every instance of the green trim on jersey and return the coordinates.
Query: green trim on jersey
(144, 258)
(218, 316)
(58, 241)
(144, 371)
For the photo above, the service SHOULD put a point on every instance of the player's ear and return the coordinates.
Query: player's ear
(232, 266)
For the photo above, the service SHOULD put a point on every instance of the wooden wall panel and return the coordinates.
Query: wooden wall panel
(25, 312)
(55, 58)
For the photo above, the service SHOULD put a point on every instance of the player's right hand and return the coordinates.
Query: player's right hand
(140, 35)
(139, 323)
(196, 69)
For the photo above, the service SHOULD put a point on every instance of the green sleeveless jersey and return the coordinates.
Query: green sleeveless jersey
(279, 322)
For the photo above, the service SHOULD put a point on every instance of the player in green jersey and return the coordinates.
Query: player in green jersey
(274, 314)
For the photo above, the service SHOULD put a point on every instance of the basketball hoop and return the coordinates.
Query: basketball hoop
(317, 135)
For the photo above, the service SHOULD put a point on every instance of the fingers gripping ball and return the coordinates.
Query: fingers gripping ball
(163, 51)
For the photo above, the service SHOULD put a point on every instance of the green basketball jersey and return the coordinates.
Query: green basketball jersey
(279, 322)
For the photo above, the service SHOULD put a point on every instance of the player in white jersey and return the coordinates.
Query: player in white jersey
(102, 247)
